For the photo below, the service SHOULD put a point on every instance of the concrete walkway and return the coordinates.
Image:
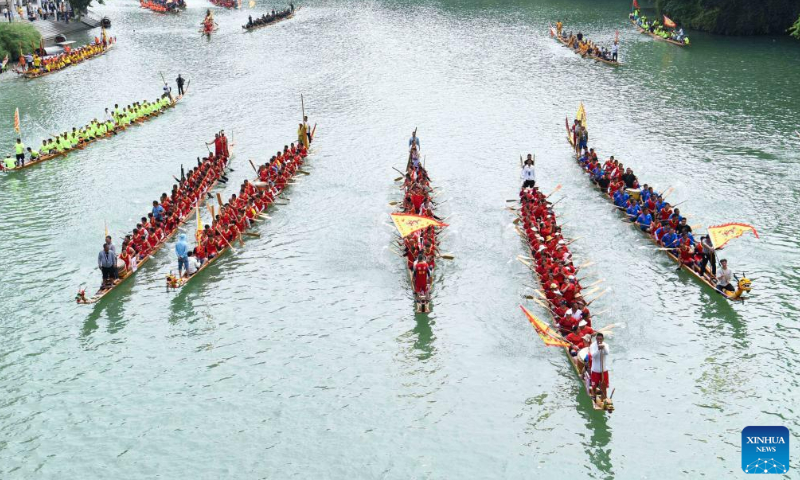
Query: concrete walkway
(49, 29)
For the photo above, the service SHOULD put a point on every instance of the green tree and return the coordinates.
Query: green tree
(795, 29)
(81, 7)
(733, 17)
(16, 35)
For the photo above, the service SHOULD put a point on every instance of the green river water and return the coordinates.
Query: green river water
(300, 356)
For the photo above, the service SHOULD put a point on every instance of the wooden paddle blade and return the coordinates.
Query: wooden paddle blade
(253, 165)
(398, 179)
(448, 256)
(219, 199)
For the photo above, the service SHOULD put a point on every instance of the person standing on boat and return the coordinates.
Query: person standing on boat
(110, 243)
(182, 250)
(614, 51)
(724, 277)
(414, 140)
(308, 129)
(598, 354)
(20, 150)
(421, 273)
(180, 83)
(709, 256)
(528, 173)
(107, 261)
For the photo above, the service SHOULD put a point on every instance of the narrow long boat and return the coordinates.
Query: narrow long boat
(174, 283)
(167, 7)
(225, 3)
(565, 43)
(418, 227)
(657, 37)
(42, 73)
(744, 284)
(273, 21)
(535, 215)
(128, 273)
(85, 143)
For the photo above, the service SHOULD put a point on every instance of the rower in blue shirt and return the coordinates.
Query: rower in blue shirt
(644, 220)
(670, 240)
(158, 211)
(618, 198)
(633, 211)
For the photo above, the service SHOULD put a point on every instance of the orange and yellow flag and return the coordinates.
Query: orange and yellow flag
(16, 120)
(546, 333)
(722, 234)
(581, 115)
(407, 224)
(668, 22)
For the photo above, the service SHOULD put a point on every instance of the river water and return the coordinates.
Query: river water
(299, 355)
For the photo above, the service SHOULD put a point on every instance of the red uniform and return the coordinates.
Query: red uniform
(421, 277)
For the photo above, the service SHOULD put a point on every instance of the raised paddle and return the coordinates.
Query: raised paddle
(253, 165)
(219, 199)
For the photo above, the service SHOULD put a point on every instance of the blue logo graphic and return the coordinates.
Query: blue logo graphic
(765, 450)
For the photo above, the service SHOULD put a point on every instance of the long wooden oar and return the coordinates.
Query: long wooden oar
(598, 282)
(597, 297)
(587, 264)
(253, 165)
(558, 187)
(447, 256)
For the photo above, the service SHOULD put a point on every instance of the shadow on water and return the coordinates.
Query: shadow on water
(114, 307)
(597, 424)
(423, 331)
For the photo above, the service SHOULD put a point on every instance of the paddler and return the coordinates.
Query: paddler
(8, 163)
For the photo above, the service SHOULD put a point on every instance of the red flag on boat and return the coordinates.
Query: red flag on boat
(669, 23)
(635, 4)
(16, 120)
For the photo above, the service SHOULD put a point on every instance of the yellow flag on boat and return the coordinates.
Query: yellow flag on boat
(546, 333)
(668, 22)
(407, 224)
(581, 115)
(16, 120)
(722, 234)
(198, 234)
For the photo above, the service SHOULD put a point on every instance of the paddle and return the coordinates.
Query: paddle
(252, 234)
(587, 264)
(253, 165)
(447, 256)
(558, 187)
(598, 282)
(599, 296)
(226, 240)
(219, 199)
